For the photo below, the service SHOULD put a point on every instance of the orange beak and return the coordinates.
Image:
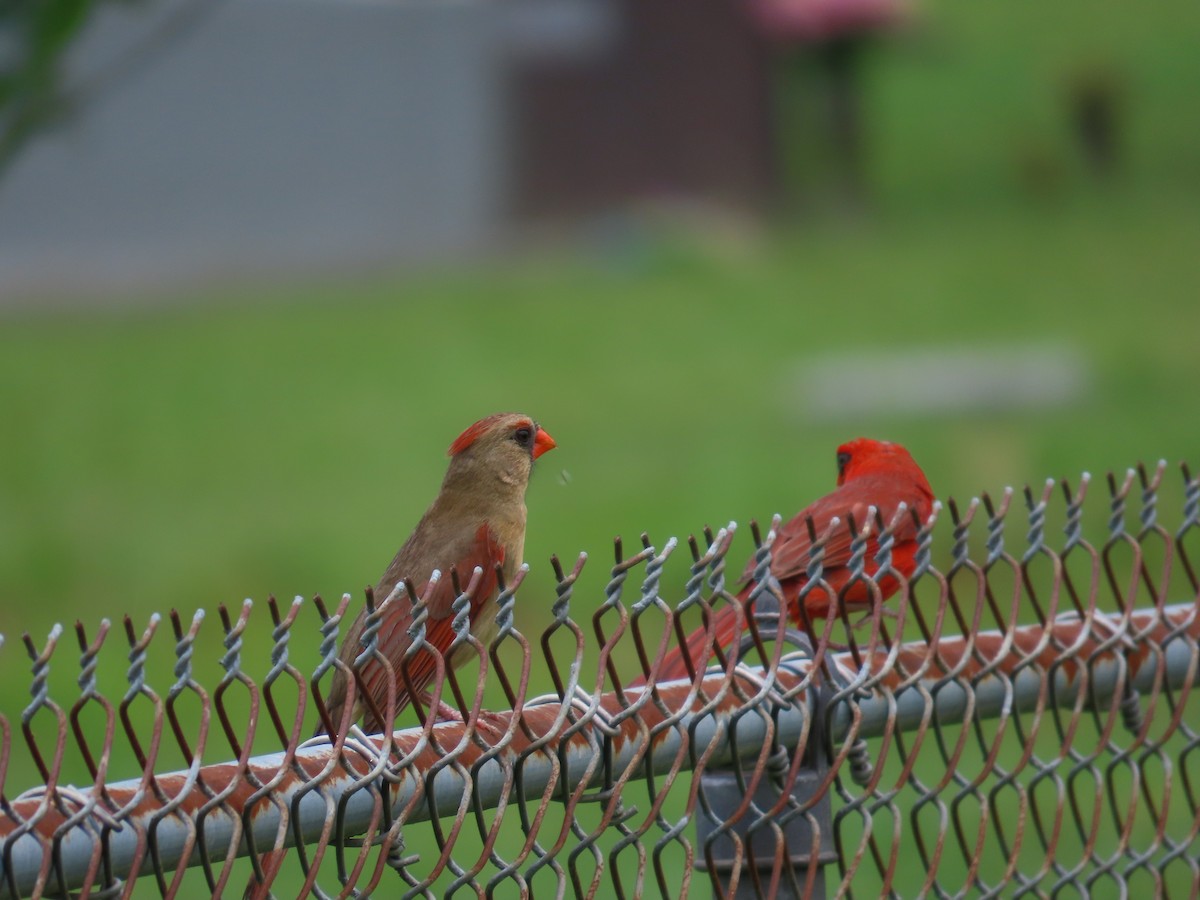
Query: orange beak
(542, 443)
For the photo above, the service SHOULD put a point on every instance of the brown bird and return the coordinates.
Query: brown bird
(478, 519)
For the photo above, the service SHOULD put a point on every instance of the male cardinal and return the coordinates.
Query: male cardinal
(478, 519)
(870, 473)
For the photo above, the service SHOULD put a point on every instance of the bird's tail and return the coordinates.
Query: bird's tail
(271, 862)
(728, 623)
(335, 708)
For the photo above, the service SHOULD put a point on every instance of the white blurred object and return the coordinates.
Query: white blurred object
(955, 378)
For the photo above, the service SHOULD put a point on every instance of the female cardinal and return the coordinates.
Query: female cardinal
(870, 473)
(478, 519)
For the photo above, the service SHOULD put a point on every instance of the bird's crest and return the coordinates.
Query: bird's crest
(468, 437)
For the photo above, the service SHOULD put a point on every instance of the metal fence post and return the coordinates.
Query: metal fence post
(724, 791)
(725, 794)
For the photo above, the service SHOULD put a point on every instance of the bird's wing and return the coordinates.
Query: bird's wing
(486, 552)
(790, 552)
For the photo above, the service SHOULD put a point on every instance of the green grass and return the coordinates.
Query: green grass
(287, 444)
(254, 439)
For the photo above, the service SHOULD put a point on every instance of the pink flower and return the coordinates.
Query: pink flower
(824, 20)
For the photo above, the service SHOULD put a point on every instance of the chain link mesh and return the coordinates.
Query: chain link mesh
(1018, 719)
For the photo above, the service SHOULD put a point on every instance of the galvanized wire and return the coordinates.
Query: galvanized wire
(1015, 721)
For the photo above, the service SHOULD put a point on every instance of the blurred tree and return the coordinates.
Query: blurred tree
(1094, 99)
(34, 38)
(820, 46)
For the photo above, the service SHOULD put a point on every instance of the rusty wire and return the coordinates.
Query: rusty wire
(1016, 720)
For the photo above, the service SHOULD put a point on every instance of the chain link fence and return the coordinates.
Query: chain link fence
(1019, 720)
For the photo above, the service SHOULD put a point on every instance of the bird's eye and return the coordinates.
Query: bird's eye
(523, 436)
(843, 460)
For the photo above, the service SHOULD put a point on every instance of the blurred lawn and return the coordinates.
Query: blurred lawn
(203, 453)
(247, 440)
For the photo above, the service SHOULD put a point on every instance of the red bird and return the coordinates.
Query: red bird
(870, 473)
(478, 519)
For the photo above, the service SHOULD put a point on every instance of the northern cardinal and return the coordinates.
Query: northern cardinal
(870, 473)
(478, 519)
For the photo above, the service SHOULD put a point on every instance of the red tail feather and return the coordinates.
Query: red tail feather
(728, 623)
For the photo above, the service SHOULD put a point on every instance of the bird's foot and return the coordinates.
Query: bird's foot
(886, 611)
(443, 712)
(494, 723)
(491, 724)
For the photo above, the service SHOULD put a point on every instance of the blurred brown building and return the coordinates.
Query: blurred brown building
(673, 103)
